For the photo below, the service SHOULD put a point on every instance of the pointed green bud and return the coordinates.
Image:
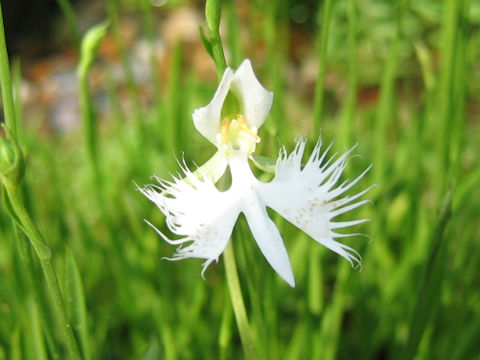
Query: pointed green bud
(90, 43)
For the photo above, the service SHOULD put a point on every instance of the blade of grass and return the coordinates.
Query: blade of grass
(132, 88)
(69, 13)
(225, 335)
(324, 18)
(431, 281)
(76, 303)
(386, 103)
(451, 10)
(22, 247)
(238, 304)
(35, 330)
(348, 111)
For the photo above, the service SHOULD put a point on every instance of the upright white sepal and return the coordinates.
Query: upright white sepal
(255, 102)
(207, 119)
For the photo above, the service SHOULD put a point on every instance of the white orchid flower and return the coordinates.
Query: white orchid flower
(306, 196)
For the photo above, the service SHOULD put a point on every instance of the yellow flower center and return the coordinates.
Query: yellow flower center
(236, 135)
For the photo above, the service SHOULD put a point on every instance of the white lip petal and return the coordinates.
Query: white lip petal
(268, 238)
(207, 119)
(197, 212)
(255, 101)
(303, 196)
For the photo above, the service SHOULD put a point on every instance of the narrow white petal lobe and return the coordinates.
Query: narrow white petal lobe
(268, 238)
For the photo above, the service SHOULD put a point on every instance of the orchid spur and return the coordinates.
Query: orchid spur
(306, 196)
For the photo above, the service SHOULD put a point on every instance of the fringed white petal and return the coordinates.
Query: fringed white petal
(306, 196)
(255, 101)
(207, 119)
(199, 213)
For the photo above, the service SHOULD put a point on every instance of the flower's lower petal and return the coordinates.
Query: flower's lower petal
(268, 238)
(306, 196)
(199, 213)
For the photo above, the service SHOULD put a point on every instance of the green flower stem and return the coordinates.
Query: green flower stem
(238, 304)
(212, 15)
(44, 255)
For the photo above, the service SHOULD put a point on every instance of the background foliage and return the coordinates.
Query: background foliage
(400, 78)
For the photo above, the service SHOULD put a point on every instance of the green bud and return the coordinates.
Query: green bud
(12, 166)
(212, 14)
(90, 44)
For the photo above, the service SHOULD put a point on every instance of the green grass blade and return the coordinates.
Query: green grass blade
(325, 15)
(75, 302)
(431, 282)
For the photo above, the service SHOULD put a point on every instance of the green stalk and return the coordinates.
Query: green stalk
(234, 36)
(431, 281)
(88, 52)
(132, 89)
(69, 13)
(385, 104)
(23, 248)
(6, 85)
(237, 302)
(277, 41)
(449, 43)
(225, 335)
(322, 59)
(172, 124)
(348, 113)
(11, 171)
(44, 255)
(459, 91)
(35, 328)
(212, 15)
(148, 21)
(331, 323)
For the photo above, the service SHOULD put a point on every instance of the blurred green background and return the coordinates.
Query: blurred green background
(400, 78)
